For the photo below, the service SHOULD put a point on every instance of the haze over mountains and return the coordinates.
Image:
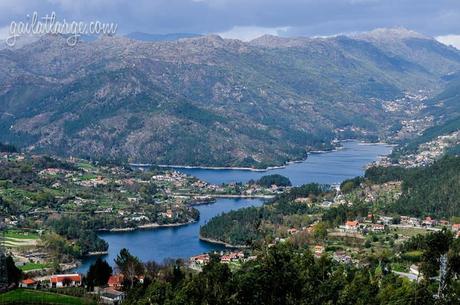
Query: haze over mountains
(213, 101)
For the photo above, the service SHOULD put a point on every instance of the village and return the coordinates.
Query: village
(114, 197)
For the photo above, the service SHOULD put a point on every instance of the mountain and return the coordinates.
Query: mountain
(211, 101)
(444, 108)
(446, 104)
(160, 37)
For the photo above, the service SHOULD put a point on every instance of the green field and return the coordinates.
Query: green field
(25, 296)
(21, 234)
(34, 266)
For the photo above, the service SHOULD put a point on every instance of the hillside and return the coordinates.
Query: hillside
(426, 191)
(445, 110)
(208, 100)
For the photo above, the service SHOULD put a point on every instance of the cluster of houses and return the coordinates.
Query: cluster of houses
(354, 226)
(376, 224)
(225, 258)
(111, 294)
(55, 281)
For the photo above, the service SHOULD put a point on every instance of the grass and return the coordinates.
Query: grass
(84, 165)
(409, 232)
(26, 296)
(21, 234)
(88, 177)
(34, 266)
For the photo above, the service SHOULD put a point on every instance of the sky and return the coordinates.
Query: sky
(248, 19)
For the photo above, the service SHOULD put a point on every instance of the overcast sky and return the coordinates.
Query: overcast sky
(247, 19)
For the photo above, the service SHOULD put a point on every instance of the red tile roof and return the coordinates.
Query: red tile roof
(28, 282)
(352, 223)
(62, 277)
(115, 280)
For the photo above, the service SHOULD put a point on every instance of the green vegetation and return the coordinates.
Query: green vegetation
(27, 296)
(287, 274)
(350, 184)
(433, 190)
(98, 273)
(257, 108)
(34, 266)
(21, 234)
(68, 201)
(246, 226)
(269, 180)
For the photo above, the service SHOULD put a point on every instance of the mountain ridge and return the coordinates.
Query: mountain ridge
(207, 100)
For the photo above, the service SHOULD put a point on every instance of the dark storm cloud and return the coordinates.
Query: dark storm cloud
(307, 17)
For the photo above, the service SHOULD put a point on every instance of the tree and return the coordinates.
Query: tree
(278, 180)
(320, 231)
(14, 274)
(129, 265)
(99, 273)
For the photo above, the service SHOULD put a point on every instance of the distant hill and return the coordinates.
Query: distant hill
(211, 101)
(160, 37)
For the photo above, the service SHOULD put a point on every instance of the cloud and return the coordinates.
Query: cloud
(4, 32)
(241, 17)
(247, 33)
(450, 40)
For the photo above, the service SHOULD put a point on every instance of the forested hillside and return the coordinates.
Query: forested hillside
(212, 101)
(426, 191)
(245, 226)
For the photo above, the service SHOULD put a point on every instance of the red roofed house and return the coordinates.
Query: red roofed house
(201, 259)
(28, 283)
(456, 227)
(352, 225)
(319, 250)
(65, 280)
(429, 222)
(225, 259)
(443, 222)
(378, 228)
(115, 281)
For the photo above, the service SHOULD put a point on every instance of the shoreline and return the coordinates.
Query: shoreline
(267, 169)
(236, 196)
(97, 253)
(147, 226)
(250, 169)
(219, 242)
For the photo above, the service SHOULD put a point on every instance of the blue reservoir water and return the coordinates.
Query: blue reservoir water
(327, 168)
(182, 242)
(169, 242)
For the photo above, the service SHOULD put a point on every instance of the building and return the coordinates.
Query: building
(378, 228)
(115, 281)
(65, 280)
(200, 259)
(444, 222)
(292, 231)
(352, 226)
(319, 250)
(428, 222)
(111, 296)
(456, 227)
(28, 283)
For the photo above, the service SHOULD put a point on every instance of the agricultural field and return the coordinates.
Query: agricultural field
(25, 296)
